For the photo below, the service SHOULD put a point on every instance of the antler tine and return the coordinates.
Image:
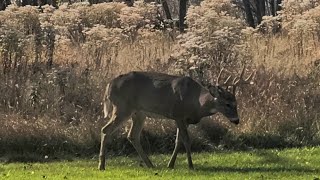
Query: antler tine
(250, 76)
(218, 78)
(237, 82)
(240, 80)
(227, 80)
(241, 75)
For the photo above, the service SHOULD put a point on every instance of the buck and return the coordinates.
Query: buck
(138, 95)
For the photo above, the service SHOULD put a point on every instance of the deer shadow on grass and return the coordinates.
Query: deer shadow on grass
(283, 164)
(255, 169)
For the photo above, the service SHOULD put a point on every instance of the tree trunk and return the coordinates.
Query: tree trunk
(272, 8)
(278, 5)
(34, 3)
(54, 3)
(274, 5)
(248, 11)
(182, 14)
(29, 2)
(8, 2)
(166, 9)
(2, 5)
(94, 2)
(261, 10)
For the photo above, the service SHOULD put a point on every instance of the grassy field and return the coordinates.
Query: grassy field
(255, 164)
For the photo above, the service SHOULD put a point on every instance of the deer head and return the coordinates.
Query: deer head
(225, 99)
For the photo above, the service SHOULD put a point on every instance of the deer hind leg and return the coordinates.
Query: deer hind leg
(175, 151)
(138, 120)
(117, 119)
(186, 141)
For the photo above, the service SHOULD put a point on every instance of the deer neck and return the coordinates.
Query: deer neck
(207, 104)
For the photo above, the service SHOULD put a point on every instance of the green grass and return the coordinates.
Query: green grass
(301, 163)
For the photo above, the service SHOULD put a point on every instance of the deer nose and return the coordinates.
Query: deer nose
(235, 120)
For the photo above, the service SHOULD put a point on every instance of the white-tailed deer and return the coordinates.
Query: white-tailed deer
(140, 94)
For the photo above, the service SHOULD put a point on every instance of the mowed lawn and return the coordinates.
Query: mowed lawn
(301, 163)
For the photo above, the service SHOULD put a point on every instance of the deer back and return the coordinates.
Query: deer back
(170, 96)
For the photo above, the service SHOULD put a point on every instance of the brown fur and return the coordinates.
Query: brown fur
(137, 94)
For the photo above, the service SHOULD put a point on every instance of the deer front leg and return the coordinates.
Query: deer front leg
(186, 141)
(175, 151)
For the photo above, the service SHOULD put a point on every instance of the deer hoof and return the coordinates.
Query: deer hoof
(101, 168)
(170, 166)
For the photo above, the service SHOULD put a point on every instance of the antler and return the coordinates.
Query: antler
(236, 81)
(218, 78)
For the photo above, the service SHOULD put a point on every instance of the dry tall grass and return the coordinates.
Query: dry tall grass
(55, 66)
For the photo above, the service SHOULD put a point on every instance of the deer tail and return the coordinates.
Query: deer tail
(107, 106)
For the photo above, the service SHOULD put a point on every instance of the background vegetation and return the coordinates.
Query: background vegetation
(55, 64)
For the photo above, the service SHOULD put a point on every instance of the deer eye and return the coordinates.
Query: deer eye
(228, 105)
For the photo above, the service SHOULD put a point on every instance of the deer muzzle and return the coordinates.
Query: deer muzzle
(235, 120)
